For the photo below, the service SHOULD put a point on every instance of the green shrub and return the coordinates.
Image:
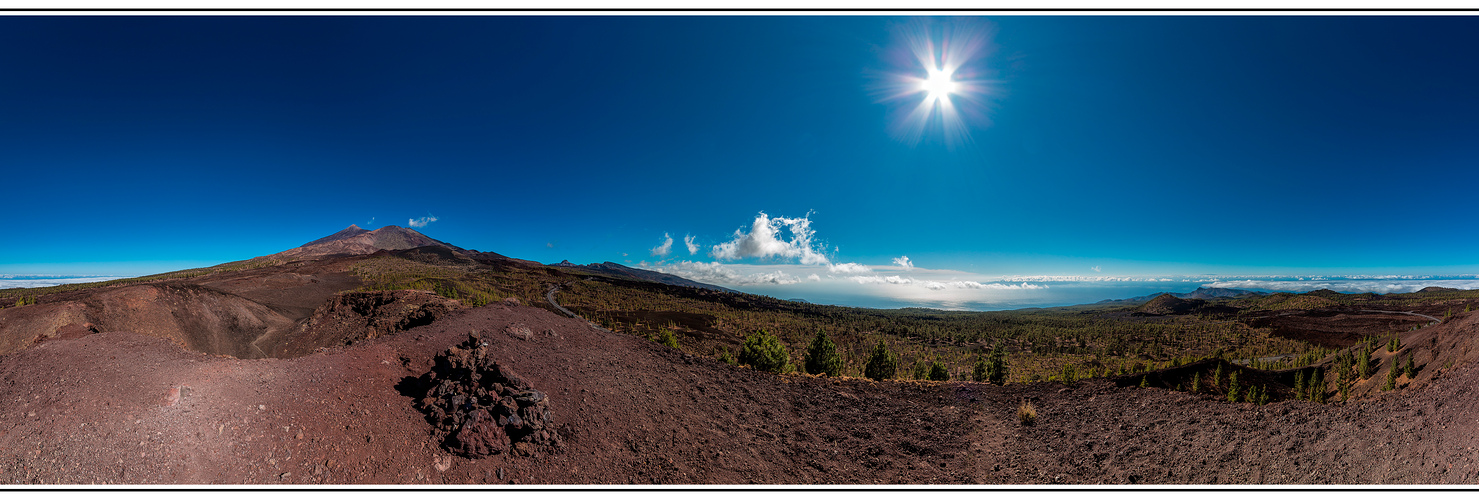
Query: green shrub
(668, 338)
(822, 357)
(1144, 381)
(921, 370)
(1068, 375)
(1232, 387)
(1394, 345)
(765, 352)
(979, 372)
(938, 372)
(882, 363)
(1391, 381)
(1410, 369)
(1196, 382)
(725, 357)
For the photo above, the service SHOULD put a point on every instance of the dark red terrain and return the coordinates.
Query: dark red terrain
(118, 407)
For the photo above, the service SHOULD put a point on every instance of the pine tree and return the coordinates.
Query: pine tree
(765, 352)
(1232, 387)
(1391, 382)
(996, 366)
(938, 372)
(1410, 369)
(1299, 384)
(1363, 361)
(1196, 382)
(822, 357)
(882, 363)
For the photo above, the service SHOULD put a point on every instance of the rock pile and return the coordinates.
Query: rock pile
(483, 408)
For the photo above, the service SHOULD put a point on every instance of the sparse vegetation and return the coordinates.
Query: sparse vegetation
(1026, 414)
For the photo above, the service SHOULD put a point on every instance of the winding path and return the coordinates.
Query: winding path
(551, 298)
(1435, 320)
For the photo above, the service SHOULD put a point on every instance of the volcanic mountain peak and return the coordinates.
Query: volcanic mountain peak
(346, 233)
(354, 240)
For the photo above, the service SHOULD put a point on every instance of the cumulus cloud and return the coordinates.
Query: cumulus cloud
(848, 268)
(692, 247)
(1097, 269)
(765, 240)
(422, 222)
(666, 246)
(814, 277)
(904, 263)
(934, 285)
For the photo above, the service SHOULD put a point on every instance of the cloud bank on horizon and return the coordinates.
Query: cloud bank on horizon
(782, 256)
(784, 251)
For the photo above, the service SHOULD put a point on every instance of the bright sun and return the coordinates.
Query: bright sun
(938, 85)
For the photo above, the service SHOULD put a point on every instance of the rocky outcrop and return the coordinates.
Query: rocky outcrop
(480, 407)
(355, 316)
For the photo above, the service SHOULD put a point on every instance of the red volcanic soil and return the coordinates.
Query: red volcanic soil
(118, 407)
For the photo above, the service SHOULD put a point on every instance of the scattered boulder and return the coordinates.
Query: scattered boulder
(519, 331)
(482, 408)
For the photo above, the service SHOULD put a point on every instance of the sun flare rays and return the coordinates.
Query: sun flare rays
(933, 88)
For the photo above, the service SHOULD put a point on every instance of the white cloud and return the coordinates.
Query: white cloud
(848, 268)
(814, 277)
(1380, 286)
(765, 241)
(722, 274)
(10, 281)
(692, 247)
(422, 222)
(880, 280)
(1097, 269)
(934, 285)
(904, 263)
(666, 246)
(976, 285)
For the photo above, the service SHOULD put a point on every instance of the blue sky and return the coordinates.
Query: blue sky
(1093, 146)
